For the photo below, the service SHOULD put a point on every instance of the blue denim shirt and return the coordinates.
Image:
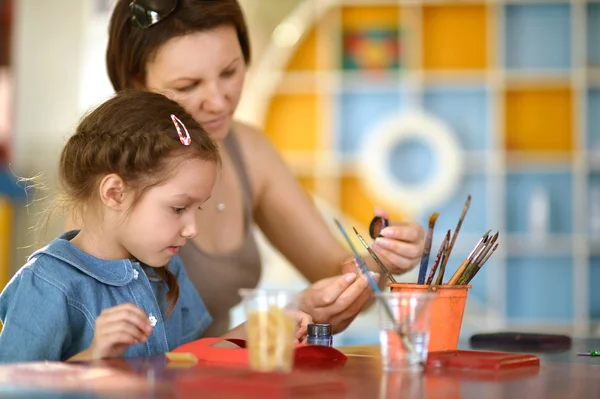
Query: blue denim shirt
(49, 308)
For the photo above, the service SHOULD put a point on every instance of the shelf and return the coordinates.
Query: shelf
(540, 288)
(292, 123)
(504, 77)
(593, 157)
(528, 245)
(357, 203)
(526, 161)
(538, 36)
(305, 58)
(593, 211)
(539, 120)
(465, 110)
(594, 292)
(371, 38)
(454, 37)
(475, 222)
(593, 120)
(550, 194)
(593, 33)
(359, 112)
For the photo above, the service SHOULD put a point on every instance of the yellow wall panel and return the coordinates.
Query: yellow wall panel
(454, 37)
(382, 17)
(291, 122)
(305, 57)
(308, 183)
(358, 203)
(539, 120)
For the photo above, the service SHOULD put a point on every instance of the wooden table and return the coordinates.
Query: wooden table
(562, 374)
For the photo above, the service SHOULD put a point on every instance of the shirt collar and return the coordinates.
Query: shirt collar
(112, 272)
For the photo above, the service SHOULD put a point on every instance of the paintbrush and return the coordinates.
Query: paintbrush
(365, 270)
(479, 266)
(458, 225)
(440, 278)
(463, 266)
(481, 249)
(438, 258)
(484, 252)
(375, 257)
(427, 248)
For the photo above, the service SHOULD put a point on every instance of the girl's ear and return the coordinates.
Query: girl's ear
(113, 192)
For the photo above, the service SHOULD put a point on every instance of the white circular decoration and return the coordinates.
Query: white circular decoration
(377, 148)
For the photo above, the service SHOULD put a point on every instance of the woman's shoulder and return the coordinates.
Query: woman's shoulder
(259, 154)
(251, 138)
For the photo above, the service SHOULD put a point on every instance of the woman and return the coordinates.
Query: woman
(196, 52)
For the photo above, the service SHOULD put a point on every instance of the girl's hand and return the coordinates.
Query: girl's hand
(117, 328)
(401, 246)
(302, 322)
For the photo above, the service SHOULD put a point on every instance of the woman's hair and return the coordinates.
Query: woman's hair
(133, 136)
(131, 47)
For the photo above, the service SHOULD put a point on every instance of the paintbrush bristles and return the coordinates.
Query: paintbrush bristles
(427, 248)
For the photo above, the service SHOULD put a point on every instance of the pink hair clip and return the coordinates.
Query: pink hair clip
(185, 140)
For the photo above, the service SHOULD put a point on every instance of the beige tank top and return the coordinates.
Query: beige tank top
(218, 277)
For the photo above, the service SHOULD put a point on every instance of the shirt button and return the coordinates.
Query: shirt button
(135, 274)
(152, 319)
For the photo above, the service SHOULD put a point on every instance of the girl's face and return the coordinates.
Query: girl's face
(156, 227)
(204, 72)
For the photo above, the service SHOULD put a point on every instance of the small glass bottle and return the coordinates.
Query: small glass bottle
(320, 334)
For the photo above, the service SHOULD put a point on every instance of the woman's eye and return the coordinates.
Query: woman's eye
(178, 210)
(228, 73)
(187, 88)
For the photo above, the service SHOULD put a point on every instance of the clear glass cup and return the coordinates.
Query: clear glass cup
(270, 328)
(404, 340)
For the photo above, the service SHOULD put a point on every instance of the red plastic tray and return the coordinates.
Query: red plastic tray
(481, 360)
(311, 356)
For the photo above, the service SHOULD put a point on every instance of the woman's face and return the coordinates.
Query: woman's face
(204, 72)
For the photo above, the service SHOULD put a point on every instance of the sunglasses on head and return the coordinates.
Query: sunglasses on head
(145, 13)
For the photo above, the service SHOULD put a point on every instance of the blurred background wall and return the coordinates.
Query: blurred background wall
(409, 105)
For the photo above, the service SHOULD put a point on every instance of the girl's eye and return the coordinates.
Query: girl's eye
(178, 211)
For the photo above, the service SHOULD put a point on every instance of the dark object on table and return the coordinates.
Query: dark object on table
(519, 340)
(377, 224)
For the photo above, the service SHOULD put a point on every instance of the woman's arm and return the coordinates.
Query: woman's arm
(293, 224)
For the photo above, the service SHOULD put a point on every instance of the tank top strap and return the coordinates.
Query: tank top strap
(233, 148)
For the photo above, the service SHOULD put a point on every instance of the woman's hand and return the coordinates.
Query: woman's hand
(117, 328)
(401, 246)
(337, 300)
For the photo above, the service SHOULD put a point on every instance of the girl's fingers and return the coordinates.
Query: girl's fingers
(128, 313)
(122, 327)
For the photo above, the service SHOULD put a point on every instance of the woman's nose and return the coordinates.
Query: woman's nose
(215, 99)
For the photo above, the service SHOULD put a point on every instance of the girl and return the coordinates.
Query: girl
(198, 51)
(136, 173)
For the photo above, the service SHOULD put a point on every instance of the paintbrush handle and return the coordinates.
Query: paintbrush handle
(436, 262)
(375, 257)
(458, 272)
(361, 263)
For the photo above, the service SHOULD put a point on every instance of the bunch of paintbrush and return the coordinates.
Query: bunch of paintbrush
(476, 259)
(468, 268)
